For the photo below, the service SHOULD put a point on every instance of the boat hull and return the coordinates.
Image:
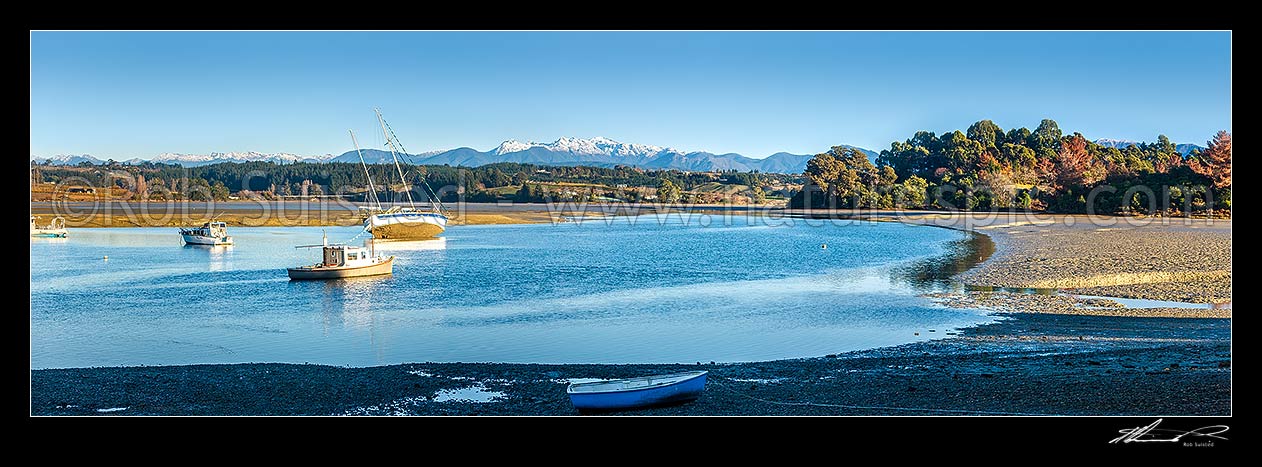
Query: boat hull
(323, 273)
(49, 233)
(683, 390)
(200, 240)
(406, 225)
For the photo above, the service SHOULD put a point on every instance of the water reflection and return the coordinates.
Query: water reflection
(49, 240)
(935, 274)
(1023, 290)
(348, 301)
(219, 255)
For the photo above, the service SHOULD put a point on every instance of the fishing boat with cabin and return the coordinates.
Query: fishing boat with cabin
(210, 233)
(56, 228)
(341, 261)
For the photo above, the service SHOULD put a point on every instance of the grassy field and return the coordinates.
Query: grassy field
(52, 191)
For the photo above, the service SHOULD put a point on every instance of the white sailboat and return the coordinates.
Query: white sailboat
(400, 221)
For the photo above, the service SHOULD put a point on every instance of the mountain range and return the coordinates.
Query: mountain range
(598, 152)
(1183, 148)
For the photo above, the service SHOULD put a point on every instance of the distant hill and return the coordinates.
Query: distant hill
(191, 160)
(602, 152)
(598, 152)
(1183, 148)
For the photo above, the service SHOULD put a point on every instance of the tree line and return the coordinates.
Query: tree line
(535, 183)
(987, 168)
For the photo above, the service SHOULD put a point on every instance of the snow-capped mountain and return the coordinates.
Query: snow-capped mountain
(193, 160)
(605, 152)
(67, 159)
(511, 146)
(1182, 148)
(590, 147)
(598, 152)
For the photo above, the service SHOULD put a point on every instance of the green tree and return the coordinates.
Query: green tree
(961, 153)
(914, 192)
(1019, 136)
(822, 170)
(758, 196)
(524, 195)
(845, 177)
(667, 192)
(888, 176)
(1017, 155)
(987, 133)
(1164, 145)
(218, 191)
(1047, 135)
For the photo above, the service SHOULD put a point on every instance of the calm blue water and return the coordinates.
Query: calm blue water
(646, 289)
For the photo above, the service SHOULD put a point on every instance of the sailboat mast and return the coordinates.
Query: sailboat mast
(394, 156)
(434, 202)
(371, 189)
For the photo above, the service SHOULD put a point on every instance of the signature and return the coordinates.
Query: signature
(1152, 434)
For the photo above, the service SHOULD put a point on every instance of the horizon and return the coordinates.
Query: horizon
(439, 151)
(749, 93)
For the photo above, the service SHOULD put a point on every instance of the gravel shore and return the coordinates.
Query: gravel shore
(1029, 364)
(1065, 304)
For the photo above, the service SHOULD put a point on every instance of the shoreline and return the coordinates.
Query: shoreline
(1026, 364)
(1039, 359)
(1157, 259)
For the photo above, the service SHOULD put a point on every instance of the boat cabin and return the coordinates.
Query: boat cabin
(346, 256)
(213, 229)
(209, 229)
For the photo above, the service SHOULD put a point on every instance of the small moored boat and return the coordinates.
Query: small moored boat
(342, 261)
(637, 392)
(56, 228)
(210, 233)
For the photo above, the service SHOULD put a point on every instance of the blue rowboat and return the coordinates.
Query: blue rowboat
(637, 392)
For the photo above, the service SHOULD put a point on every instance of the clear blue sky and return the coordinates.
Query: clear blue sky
(139, 94)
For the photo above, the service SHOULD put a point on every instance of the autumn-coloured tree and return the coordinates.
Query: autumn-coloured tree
(1215, 161)
(1074, 164)
(1167, 162)
(1036, 169)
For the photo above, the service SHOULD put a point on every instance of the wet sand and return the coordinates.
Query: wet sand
(1010, 302)
(1173, 259)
